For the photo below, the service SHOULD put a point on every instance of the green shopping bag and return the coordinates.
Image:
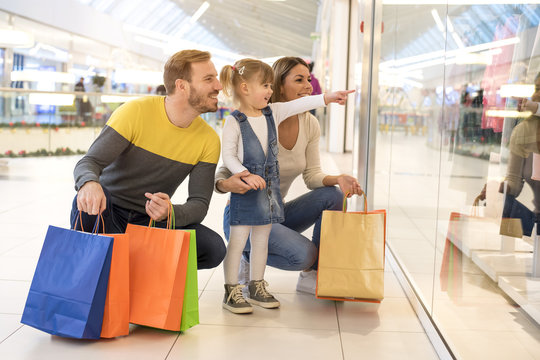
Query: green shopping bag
(190, 309)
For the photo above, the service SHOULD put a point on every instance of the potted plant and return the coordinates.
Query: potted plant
(98, 82)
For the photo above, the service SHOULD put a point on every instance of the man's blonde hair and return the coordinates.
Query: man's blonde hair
(179, 67)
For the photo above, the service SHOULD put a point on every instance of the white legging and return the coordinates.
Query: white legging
(259, 251)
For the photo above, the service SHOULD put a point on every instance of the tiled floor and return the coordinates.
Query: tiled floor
(37, 192)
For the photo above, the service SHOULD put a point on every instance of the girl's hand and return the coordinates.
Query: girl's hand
(255, 181)
(339, 97)
(349, 185)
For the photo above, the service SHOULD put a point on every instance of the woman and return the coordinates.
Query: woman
(524, 141)
(298, 154)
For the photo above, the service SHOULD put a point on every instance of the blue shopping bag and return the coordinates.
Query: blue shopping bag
(67, 294)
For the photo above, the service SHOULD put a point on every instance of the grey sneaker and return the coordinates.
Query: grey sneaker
(243, 273)
(307, 282)
(258, 295)
(234, 301)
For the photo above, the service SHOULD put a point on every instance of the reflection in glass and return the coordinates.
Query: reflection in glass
(456, 143)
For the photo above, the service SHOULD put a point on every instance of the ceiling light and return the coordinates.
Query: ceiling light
(516, 90)
(51, 99)
(474, 58)
(438, 20)
(133, 76)
(508, 113)
(457, 39)
(42, 76)
(201, 10)
(185, 26)
(16, 38)
(116, 99)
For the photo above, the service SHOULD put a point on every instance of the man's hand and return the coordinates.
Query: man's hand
(235, 184)
(157, 205)
(91, 198)
(339, 97)
(349, 185)
(255, 181)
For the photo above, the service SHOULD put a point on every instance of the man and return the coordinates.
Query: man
(145, 151)
(80, 85)
(80, 103)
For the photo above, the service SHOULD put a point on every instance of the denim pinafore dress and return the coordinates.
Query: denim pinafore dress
(258, 207)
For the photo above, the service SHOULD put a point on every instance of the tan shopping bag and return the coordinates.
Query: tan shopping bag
(536, 167)
(351, 255)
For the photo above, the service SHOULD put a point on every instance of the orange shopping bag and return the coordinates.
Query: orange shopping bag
(116, 311)
(158, 263)
(116, 314)
(451, 277)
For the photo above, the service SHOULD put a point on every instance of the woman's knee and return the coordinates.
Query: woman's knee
(308, 258)
(332, 197)
(301, 259)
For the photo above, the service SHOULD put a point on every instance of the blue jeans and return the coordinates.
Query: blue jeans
(210, 247)
(288, 249)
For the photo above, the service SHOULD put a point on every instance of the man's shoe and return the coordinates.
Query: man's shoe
(258, 295)
(307, 282)
(234, 301)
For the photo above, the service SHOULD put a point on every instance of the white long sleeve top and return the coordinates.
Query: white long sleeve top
(303, 158)
(232, 145)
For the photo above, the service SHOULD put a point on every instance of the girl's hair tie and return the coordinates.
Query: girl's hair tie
(233, 68)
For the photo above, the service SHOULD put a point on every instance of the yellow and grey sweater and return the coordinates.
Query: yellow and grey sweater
(139, 151)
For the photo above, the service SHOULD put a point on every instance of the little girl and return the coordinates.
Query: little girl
(250, 144)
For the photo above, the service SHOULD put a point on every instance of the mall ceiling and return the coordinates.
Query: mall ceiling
(260, 28)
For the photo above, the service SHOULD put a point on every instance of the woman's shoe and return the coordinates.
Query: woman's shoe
(307, 282)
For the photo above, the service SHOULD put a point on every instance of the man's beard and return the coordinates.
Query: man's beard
(199, 101)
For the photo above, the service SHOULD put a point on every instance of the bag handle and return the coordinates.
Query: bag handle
(96, 225)
(476, 203)
(345, 197)
(171, 221)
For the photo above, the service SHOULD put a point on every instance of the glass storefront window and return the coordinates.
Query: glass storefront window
(411, 76)
(455, 167)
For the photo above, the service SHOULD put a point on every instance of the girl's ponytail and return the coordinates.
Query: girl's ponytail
(225, 77)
